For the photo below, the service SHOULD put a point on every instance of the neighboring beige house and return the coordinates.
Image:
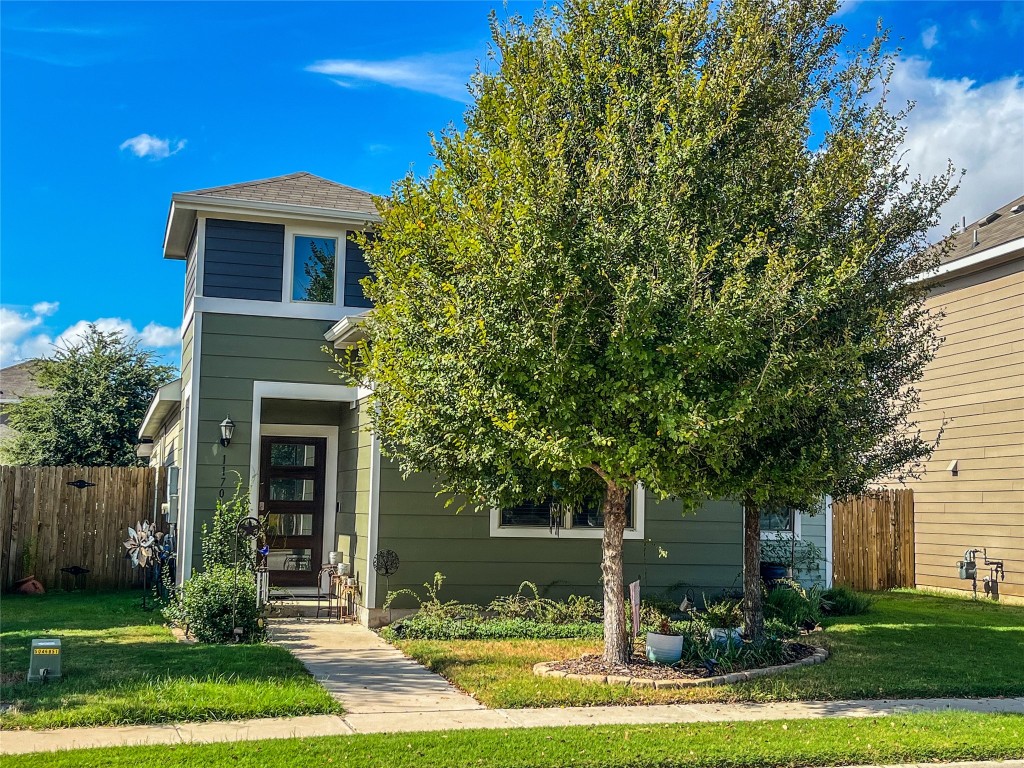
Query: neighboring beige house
(972, 492)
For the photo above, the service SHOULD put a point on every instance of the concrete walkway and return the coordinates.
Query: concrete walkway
(17, 742)
(383, 691)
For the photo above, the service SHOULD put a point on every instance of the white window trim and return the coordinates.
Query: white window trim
(291, 231)
(787, 535)
(499, 531)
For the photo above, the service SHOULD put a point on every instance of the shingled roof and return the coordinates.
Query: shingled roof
(300, 188)
(19, 380)
(999, 227)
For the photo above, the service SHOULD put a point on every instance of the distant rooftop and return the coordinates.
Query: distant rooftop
(999, 227)
(300, 188)
(18, 381)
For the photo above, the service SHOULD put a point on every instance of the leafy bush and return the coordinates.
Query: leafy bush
(432, 627)
(722, 614)
(793, 605)
(843, 601)
(221, 545)
(576, 609)
(700, 651)
(215, 601)
(433, 606)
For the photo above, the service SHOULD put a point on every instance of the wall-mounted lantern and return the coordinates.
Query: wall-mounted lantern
(227, 429)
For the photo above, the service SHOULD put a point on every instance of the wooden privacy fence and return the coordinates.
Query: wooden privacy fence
(47, 524)
(873, 540)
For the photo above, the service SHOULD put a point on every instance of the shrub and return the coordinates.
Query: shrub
(215, 601)
(433, 605)
(700, 651)
(723, 614)
(575, 609)
(843, 601)
(221, 545)
(432, 627)
(793, 605)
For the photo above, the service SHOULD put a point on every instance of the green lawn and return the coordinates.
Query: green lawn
(122, 666)
(906, 739)
(910, 644)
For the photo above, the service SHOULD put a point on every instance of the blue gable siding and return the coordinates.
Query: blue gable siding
(355, 270)
(243, 260)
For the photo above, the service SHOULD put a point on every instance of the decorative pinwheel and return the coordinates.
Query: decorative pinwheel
(142, 543)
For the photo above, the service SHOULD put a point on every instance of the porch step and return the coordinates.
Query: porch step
(298, 607)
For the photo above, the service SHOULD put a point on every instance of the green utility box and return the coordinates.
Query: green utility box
(44, 662)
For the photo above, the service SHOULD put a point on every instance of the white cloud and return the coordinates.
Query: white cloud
(442, 75)
(22, 335)
(45, 308)
(980, 127)
(156, 148)
(930, 37)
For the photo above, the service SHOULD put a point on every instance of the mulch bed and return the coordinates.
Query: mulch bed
(640, 667)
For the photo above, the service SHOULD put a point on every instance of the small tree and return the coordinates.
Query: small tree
(99, 389)
(636, 266)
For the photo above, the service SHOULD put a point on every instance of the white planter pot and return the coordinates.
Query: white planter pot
(725, 636)
(664, 649)
(332, 558)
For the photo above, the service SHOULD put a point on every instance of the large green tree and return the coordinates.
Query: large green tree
(672, 246)
(99, 388)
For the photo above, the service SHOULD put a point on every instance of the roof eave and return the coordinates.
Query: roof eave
(989, 257)
(348, 331)
(163, 403)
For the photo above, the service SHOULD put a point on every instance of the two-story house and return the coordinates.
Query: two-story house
(271, 276)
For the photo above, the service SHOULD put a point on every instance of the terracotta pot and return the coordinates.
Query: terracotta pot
(30, 585)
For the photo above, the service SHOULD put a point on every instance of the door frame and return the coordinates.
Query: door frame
(330, 478)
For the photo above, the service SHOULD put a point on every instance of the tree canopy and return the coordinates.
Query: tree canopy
(673, 246)
(99, 389)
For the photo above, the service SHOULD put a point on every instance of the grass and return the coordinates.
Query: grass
(906, 739)
(909, 645)
(121, 666)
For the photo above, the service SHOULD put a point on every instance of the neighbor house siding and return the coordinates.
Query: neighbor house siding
(976, 385)
(237, 350)
(243, 260)
(700, 552)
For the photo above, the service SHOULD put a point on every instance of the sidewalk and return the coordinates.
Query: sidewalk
(423, 719)
(383, 691)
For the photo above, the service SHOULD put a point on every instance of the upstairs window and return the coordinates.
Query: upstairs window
(314, 268)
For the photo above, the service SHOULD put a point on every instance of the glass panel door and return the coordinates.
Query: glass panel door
(292, 471)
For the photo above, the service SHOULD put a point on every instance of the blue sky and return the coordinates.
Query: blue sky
(109, 108)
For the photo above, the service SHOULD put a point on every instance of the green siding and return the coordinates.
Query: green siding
(812, 530)
(701, 552)
(235, 351)
(354, 490)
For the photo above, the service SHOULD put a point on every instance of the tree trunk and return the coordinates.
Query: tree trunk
(753, 610)
(615, 647)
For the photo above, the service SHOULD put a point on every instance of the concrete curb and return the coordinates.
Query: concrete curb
(543, 669)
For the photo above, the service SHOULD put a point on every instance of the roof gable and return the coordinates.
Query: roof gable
(300, 188)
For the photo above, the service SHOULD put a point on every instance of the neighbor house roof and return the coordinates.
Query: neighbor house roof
(988, 242)
(18, 381)
(997, 228)
(299, 195)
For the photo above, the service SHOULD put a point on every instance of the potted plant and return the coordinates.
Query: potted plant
(724, 620)
(664, 646)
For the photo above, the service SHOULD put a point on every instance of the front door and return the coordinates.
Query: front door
(292, 471)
